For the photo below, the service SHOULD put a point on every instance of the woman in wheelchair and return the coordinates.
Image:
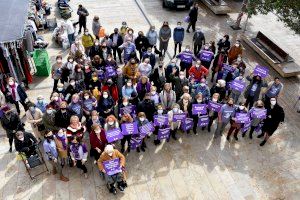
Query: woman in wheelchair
(26, 143)
(110, 154)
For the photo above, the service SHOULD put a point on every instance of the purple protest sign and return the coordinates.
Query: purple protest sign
(203, 120)
(214, 106)
(179, 117)
(113, 135)
(110, 71)
(146, 129)
(199, 109)
(246, 127)
(238, 85)
(112, 166)
(163, 133)
(129, 128)
(135, 142)
(258, 128)
(263, 72)
(228, 68)
(188, 124)
(242, 118)
(259, 113)
(128, 110)
(160, 120)
(206, 56)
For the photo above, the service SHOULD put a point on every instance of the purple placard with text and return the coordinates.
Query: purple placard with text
(179, 117)
(263, 72)
(160, 120)
(135, 142)
(228, 68)
(214, 106)
(206, 56)
(112, 166)
(246, 127)
(258, 128)
(203, 121)
(188, 124)
(199, 109)
(128, 110)
(110, 71)
(242, 118)
(146, 129)
(129, 128)
(259, 113)
(163, 133)
(113, 135)
(238, 85)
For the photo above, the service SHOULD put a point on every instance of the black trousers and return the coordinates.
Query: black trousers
(249, 101)
(197, 48)
(193, 25)
(55, 84)
(82, 23)
(185, 66)
(81, 166)
(18, 107)
(115, 51)
(123, 141)
(175, 49)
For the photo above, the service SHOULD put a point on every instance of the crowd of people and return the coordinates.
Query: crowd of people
(96, 95)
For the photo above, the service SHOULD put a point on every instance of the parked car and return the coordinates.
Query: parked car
(177, 4)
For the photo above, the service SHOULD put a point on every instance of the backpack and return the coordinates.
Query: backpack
(101, 32)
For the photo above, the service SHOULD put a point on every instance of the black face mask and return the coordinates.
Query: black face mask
(50, 137)
(116, 32)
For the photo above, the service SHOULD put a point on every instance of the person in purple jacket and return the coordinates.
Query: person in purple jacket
(206, 56)
(186, 59)
(143, 87)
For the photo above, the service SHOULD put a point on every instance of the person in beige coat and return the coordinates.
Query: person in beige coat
(34, 117)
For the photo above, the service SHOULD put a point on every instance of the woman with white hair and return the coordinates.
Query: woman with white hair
(219, 88)
(174, 125)
(108, 155)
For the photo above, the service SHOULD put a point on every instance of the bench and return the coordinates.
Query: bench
(219, 7)
(279, 59)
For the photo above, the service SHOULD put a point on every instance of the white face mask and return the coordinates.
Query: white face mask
(58, 60)
(125, 103)
(55, 98)
(237, 45)
(187, 50)
(142, 119)
(214, 100)
(71, 60)
(96, 43)
(105, 96)
(153, 92)
(86, 33)
(11, 82)
(273, 102)
(21, 139)
(202, 84)
(199, 100)
(160, 111)
(59, 89)
(130, 32)
(72, 83)
(241, 107)
(98, 131)
(129, 84)
(86, 97)
(110, 123)
(181, 76)
(49, 111)
(110, 154)
(197, 65)
(60, 134)
(175, 110)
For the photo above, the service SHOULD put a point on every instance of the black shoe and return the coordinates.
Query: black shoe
(236, 138)
(143, 149)
(188, 31)
(262, 143)
(144, 145)
(174, 136)
(128, 149)
(122, 150)
(79, 32)
(10, 149)
(228, 138)
(188, 132)
(203, 128)
(259, 136)
(243, 135)
(121, 188)
(112, 189)
(250, 136)
(138, 150)
(208, 129)
(156, 142)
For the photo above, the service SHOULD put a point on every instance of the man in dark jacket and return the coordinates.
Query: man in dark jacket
(63, 116)
(141, 43)
(149, 54)
(82, 13)
(10, 122)
(178, 82)
(117, 41)
(178, 36)
(193, 17)
(147, 106)
(199, 41)
(25, 142)
(275, 116)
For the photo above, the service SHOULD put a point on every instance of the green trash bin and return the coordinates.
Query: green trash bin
(42, 64)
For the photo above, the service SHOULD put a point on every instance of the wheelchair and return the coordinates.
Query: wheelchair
(124, 183)
(34, 160)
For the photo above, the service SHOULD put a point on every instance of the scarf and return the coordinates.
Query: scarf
(13, 91)
(63, 141)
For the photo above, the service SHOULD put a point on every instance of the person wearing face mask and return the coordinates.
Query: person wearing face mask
(128, 48)
(185, 105)
(70, 30)
(151, 56)
(197, 100)
(126, 118)
(87, 41)
(79, 153)
(235, 51)
(169, 69)
(178, 36)
(75, 128)
(274, 90)
(154, 96)
(95, 49)
(203, 89)
(96, 26)
(186, 59)
(117, 40)
(167, 97)
(129, 37)
(224, 44)
(141, 121)
(67, 69)
(95, 85)
(82, 12)
(34, 117)
(51, 152)
(159, 111)
(143, 87)
(76, 105)
(220, 59)
(98, 141)
(55, 100)
(174, 125)
(106, 104)
(72, 89)
(241, 64)
(124, 103)
(193, 14)
(152, 36)
(130, 71)
(112, 88)
(255, 122)
(89, 103)
(226, 113)
(10, 122)
(111, 122)
(275, 116)
(41, 103)
(253, 90)
(57, 71)
(198, 40)
(206, 55)
(62, 145)
(212, 114)
(77, 50)
(25, 143)
(164, 37)
(49, 119)
(198, 71)
(234, 126)
(78, 76)
(159, 76)
(110, 61)
(63, 115)
(220, 88)
(147, 106)
(128, 89)
(178, 82)
(235, 94)
(109, 154)
(145, 69)
(60, 90)
(95, 119)
(141, 43)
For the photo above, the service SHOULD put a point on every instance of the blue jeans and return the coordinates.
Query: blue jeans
(71, 38)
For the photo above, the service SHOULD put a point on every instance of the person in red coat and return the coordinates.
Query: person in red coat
(112, 88)
(198, 71)
(98, 141)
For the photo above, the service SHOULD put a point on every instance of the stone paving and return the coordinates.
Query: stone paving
(195, 167)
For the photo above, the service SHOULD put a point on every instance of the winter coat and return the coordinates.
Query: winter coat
(142, 89)
(275, 115)
(234, 52)
(165, 102)
(178, 34)
(141, 43)
(95, 142)
(198, 73)
(178, 84)
(62, 120)
(119, 40)
(193, 14)
(186, 57)
(152, 37)
(11, 124)
(260, 84)
(49, 121)
(105, 157)
(148, 107)
(199, 38)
